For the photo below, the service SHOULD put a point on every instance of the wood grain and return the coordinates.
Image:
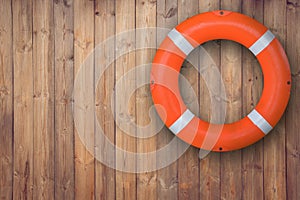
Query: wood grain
(125, 21)
(83, 47)
(210, 165)
(167, 179)
(293, 110)
(23, 100)
(64, 78)
(274, 142)
(43, 99)
(188, 167)
(43, 45)
(6, 101)
(231, 69)
(104, 29)
(252, 156)
(146, 182)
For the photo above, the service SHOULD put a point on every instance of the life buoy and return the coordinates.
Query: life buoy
(211, 26)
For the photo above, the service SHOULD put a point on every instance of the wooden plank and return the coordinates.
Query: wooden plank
(64, 126)
(274, 142)
(252, 156)
(210, 165)
(23, 99)
(6, 101)
(43, 99)
(145, 17)
(231, 184)
(188, 165)
(125, 21)
(167, 180)
(104, 28)
(83, 46)
(264, 170)
(293, 110)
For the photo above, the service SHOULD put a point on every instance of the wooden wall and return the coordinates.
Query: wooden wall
(42, 46)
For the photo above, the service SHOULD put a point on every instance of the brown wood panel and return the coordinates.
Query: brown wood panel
(23, 99)
(231, 70)
(125, 22)
(64, 78)
(104, 29)
(167, 179)
(43, 99)
(84, 63)
(274, 142)
(188, 167)
(144, 12)
(43, 45)
(6, 101)
(209, 165)
(252, 84)
(293, 110)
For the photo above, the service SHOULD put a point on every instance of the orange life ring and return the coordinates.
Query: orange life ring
(211, 26)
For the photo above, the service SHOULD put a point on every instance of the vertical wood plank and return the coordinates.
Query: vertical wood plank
(145, 17)
(125, 21)
(104, 28)
(6, 101)
(231, 184)
(274, 142)
(188, 166)
(252, 156)
(23, 99)
(43, 99)
(267, 169)
(83, 46)
(64, 126)
(293, 110)
(210, 165)
(167, 180)
(166, 17)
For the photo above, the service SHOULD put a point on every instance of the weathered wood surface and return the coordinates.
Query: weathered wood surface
(43, 45)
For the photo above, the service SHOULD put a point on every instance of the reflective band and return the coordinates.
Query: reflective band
(182, 122)
(180, 41)
(260, 121)
(262, 42)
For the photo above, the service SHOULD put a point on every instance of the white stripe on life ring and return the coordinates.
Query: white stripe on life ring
(262, 43)
(180, 41)
(260, 121)
(182, 122)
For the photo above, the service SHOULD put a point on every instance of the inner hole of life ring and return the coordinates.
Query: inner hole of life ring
(241, 75)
